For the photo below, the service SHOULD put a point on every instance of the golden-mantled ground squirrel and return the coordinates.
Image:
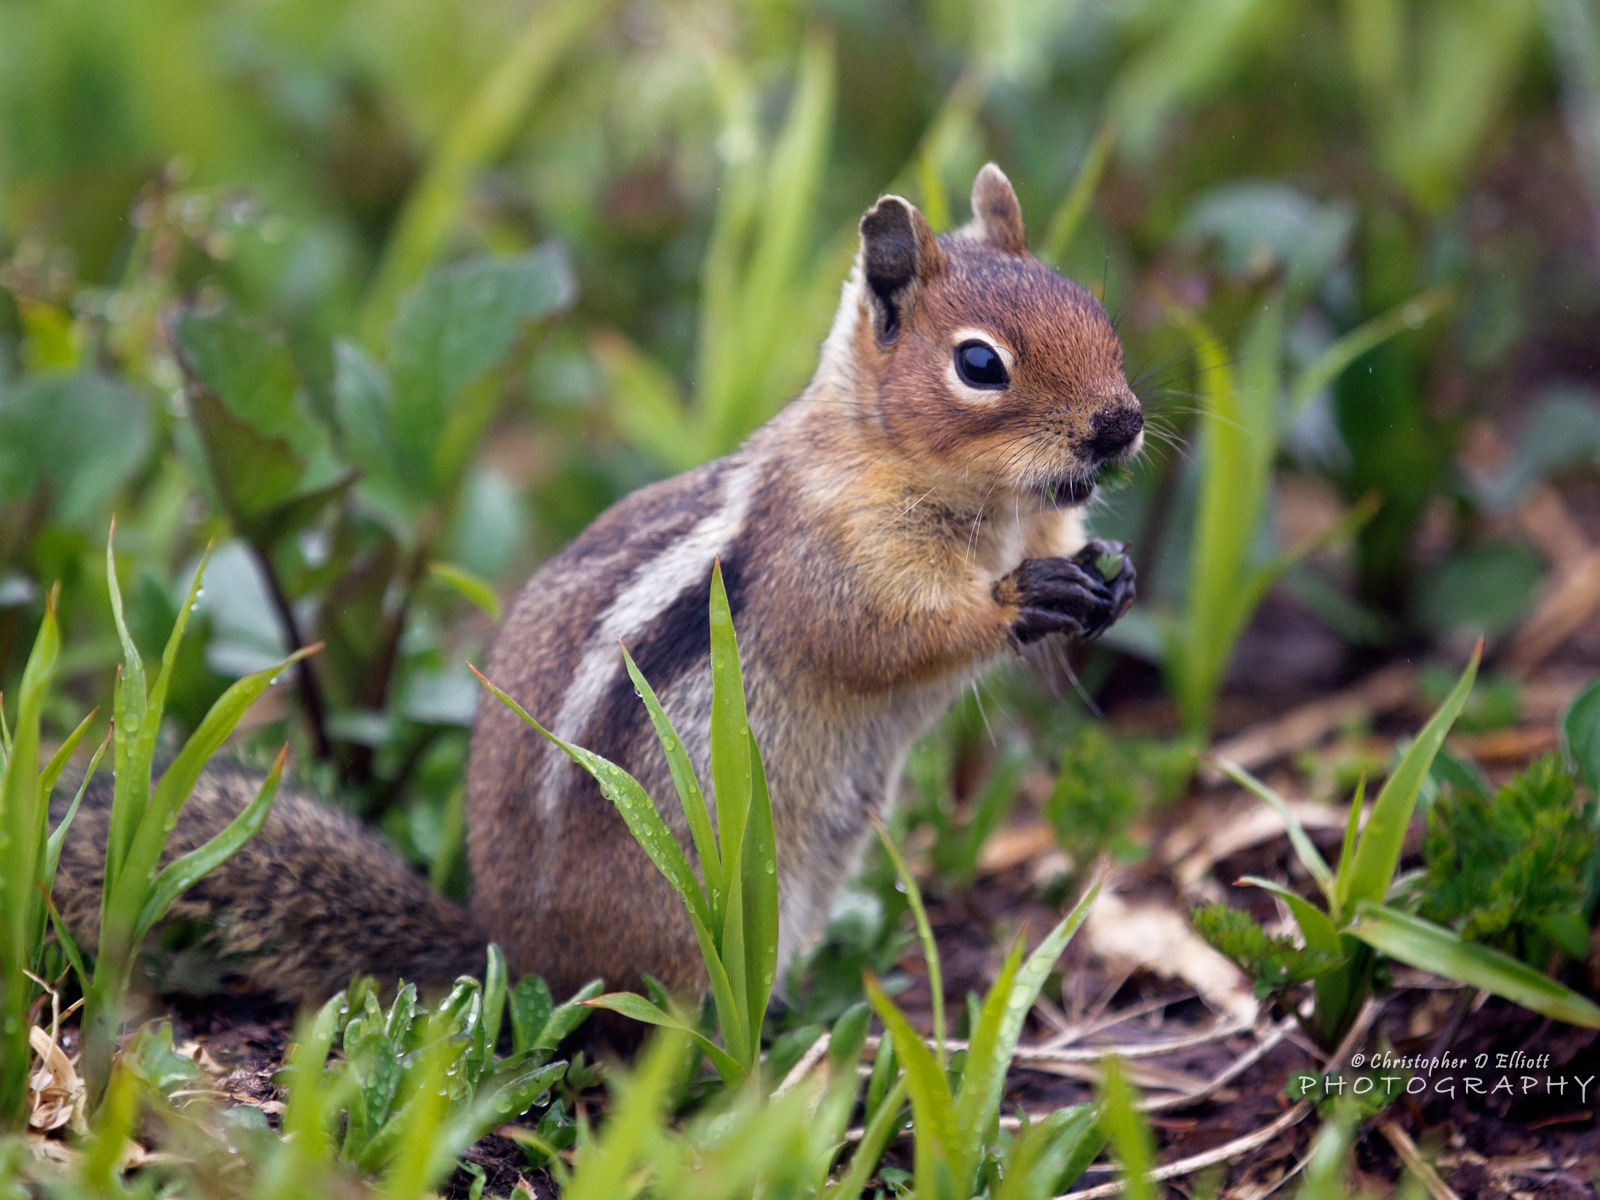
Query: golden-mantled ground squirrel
(906, 520)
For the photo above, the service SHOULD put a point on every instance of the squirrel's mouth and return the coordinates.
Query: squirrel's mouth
(1067, 493)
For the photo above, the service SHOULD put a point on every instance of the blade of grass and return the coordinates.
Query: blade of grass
(1305, 849)
(874, 1139)
(730, 742)
(930, 948)
(1127, 1132)
(1319, 931)
(1369, 335)
(1378, 849)
(760, 888)
(637, 1008)
(933, 1109)
(1431, 947)
(984, 1079)
(179, 876)
(58, 836)
(689, 794)
(1068, 217)
(632, 801)
(58, 760)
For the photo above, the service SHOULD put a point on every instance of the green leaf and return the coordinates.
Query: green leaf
(1580, 734)
(1238, 438)
(760, 895)
(567, 1016)
(930, 948)
(458, 324)
(646, 402)
(78, 437)
(984, 1078)
(1369, 335)
(1305, 849)
(1127, 1132)
(933, 1108)
(177, 877)
(181, 775)
(464, 583)
(1377, 852)
(58, 760)
(637, 1008)
(874, 1140)
(730, 740)
(635, 805)
(1316, 926)
(1431, 947)
(58, 836)
(690, 796)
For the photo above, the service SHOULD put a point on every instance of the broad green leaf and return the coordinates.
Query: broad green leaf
(456, 325)
(933, 1108)
(242, 389)
(177, 877)
(1431, 947)
(464, 583)
(1305, 849)
(78, 436)
(637, 1008)
(1580, 734)
(1378, 850)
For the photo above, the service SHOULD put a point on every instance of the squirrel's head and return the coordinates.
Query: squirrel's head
(969, 352)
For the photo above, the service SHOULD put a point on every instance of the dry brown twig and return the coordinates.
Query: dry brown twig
(1250, 1141)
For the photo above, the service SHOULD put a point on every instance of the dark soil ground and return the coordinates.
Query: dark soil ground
(1518, 1137)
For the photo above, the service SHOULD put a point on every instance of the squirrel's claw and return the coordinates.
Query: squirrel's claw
(1069, 595)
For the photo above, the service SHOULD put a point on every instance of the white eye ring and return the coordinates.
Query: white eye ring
(959, 386)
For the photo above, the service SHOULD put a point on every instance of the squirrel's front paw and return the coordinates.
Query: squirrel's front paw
(1069, 595)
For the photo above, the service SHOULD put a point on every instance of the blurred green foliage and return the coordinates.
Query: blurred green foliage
(392, 299)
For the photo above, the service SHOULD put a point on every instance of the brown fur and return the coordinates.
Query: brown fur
(883, 539)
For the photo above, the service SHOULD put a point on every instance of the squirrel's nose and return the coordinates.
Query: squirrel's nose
(1113, 429)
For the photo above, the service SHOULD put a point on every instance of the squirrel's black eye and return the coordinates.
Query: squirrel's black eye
(979, 365)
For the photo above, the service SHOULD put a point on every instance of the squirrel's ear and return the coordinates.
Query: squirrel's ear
(996, 211)
(898, 251)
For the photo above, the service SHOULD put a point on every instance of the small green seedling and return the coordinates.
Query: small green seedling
(1357, 924)
(30, 854)
(735, 912)
(955, 1127)
(138, 890)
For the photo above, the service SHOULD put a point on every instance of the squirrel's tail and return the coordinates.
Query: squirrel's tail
(313, 899)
